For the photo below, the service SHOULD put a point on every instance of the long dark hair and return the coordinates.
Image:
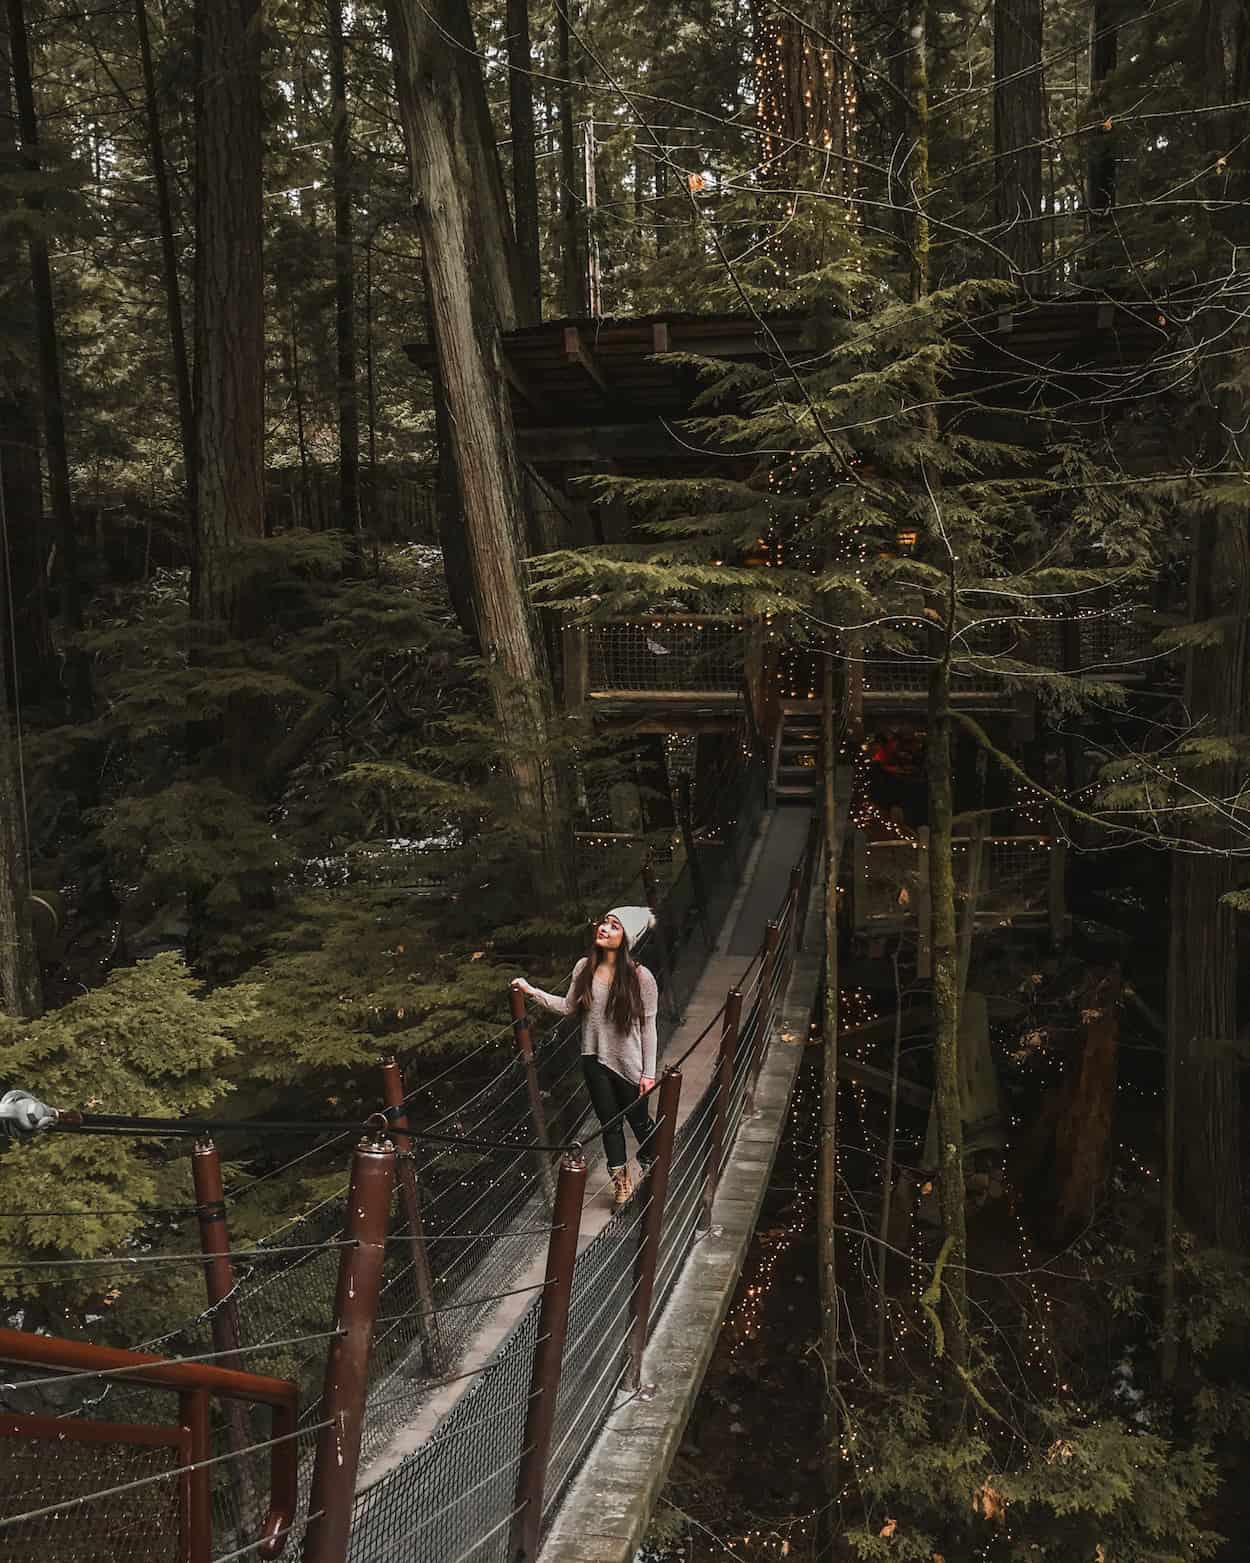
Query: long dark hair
(624, 1006)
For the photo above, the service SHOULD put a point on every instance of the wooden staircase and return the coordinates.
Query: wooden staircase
(796, 755)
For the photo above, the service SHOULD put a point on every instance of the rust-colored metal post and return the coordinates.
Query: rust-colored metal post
(724, 1086)
(196, 1517)
(653, 1223)
(347, 1366)
(410, 1200)
(764, 1036)
(553, 1324)
(662, 954)
(210, 1213)
(538, 1112)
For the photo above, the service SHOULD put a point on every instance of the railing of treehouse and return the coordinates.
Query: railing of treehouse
(700, 658)
(1019, 881)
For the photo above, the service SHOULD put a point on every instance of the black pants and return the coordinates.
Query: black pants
(610, 1096)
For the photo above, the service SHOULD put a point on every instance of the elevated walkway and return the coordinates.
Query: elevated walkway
(451, 1467)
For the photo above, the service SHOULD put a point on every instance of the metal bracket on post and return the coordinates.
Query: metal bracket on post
(724, 1085)
(653, 1226)
(410, 1200)
(524, 1039)
(553, 1325)
(347, 1364)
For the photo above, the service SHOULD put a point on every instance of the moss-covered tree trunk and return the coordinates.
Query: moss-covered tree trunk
(827, 1164)
(20, 986)
(462, 219)
(947, 1104)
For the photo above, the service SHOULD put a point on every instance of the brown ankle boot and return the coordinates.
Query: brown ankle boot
(622, 1187)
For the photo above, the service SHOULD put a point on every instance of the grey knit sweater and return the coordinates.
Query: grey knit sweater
(630, 1054)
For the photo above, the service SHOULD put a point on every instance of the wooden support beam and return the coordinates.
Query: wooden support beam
(576, 351)
(517, 381)
(660, 338)
(859, 1073)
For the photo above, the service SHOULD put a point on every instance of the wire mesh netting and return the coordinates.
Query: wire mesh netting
(49, 1472)
(454, 1497)
(667, 654)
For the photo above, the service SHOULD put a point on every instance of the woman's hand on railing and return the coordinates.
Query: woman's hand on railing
(519, 985)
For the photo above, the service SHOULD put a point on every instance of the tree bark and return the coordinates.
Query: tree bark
(1104, 48)
(827, 1165)
(462, 220)
(21, 486)
(344, 284)
(947, 1103)
(1018, 86)
(917, 74)
(524, 166)
(20, 986)
(229, 307)
(1087, 1111)
(572, 272)
(169, 259)
(48, 344)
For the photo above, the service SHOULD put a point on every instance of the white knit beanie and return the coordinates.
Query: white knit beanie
(635, 920)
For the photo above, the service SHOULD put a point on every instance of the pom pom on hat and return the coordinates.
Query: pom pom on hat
(635, 920)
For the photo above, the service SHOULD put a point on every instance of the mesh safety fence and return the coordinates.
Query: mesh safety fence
(140, 1523)
(666, 654)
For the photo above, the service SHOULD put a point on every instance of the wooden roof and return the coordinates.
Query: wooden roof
(589, 391)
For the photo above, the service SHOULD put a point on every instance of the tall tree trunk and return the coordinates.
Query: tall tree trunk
(524, 166)
(1203, 1007)
(827, 1162)
(306, 517)
(1018, 85)
(230, 321)
(20, 986)
(344, 284)
(462, 220)
(917, 75)
(573, 276)
(48, 345)
(22, 543)
(1104, 48)
(948, 1107)
(169, 258)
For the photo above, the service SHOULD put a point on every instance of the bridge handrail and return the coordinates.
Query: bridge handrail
(459, 1495)
(195, 1382)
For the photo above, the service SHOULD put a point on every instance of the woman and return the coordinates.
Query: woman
(617, 1000)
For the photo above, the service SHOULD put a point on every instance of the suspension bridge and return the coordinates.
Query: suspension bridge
(462, 1353)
